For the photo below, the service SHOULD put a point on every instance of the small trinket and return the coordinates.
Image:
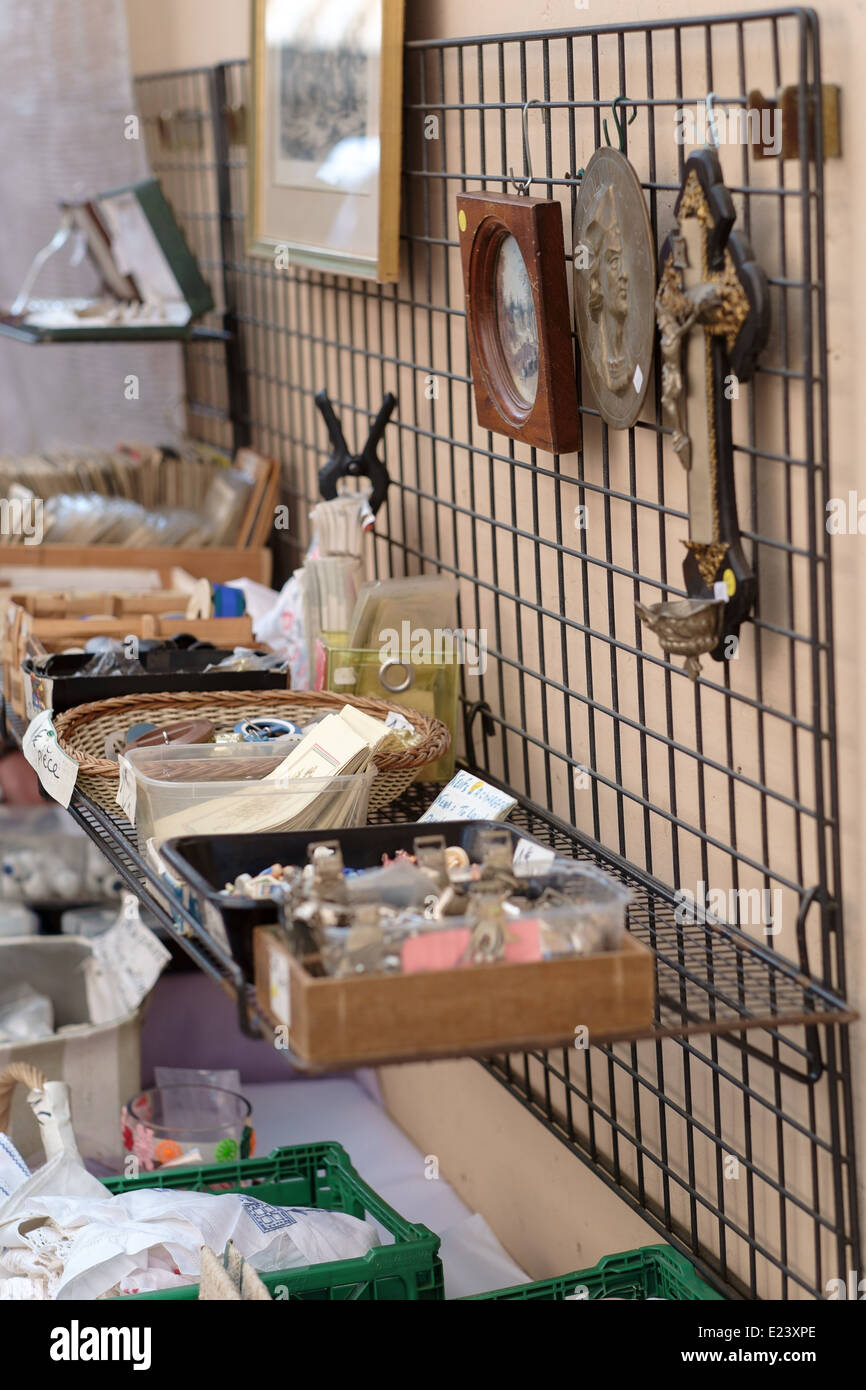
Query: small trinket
(431, 856)
(488, 936)
(326, 859)
(364, 947)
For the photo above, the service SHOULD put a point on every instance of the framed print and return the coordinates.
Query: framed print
(325, 152)
(520, 346)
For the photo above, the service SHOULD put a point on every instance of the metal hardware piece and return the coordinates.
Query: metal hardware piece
(343, 464)
(786, 104)
(620, 128)
(523, 185)
(396, 687)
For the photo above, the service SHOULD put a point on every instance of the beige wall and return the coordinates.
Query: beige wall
(166, 34)
(548, 1209)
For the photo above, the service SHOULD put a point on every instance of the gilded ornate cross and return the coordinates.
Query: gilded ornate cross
(712, 310)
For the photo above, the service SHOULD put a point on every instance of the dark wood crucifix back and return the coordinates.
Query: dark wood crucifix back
(712, 309)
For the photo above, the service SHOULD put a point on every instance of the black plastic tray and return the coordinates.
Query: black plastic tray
(69, 690)
(208, 862)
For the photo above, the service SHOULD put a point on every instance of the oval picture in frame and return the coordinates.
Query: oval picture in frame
(515, 317)
(614, 286)
(521, 351)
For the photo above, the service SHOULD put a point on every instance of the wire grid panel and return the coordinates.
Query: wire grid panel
(727, 785)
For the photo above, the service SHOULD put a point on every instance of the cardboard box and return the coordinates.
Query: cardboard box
(216, 562)
(101, 1063)
(477, 1010)
(38, 623)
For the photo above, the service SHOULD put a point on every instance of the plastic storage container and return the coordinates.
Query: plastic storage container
(44, 858)
(208, 863)
(317, 1175)
(654, 1271)
(88, 921)
(63, 688)
(214, 788)
(165, 1122)
(18, 920)
(100, 1062)
(432, 687)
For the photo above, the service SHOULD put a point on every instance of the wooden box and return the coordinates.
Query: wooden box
(476, 1010)
(248, 558)
(218, 563)
(38, 623)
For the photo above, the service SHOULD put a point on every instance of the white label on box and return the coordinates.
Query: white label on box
(399, 722)
(344, 675)
(54, 768)
(468, 798)
(279, 992)
(126, 789)
(32, 693)
(531, 858)
(131, 955)
(214, 924)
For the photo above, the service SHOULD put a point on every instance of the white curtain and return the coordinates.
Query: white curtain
(65, 91)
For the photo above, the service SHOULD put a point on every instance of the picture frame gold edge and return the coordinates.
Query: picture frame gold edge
(391, 141)
(256, 245)
(333, 262)
(386, 268)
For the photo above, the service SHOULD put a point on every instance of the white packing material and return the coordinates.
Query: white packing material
(32, 1290)
(25, 1014)
(85, 1243)
(282, 628)
(13, 1170)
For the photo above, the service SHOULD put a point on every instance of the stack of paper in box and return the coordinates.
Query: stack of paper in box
(337, 746)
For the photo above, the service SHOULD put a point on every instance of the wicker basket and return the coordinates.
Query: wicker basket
(82, 731)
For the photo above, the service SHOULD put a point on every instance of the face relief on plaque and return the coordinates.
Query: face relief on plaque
(614, 286)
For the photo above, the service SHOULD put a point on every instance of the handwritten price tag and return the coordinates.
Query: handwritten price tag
(54, 768)
(126, 790)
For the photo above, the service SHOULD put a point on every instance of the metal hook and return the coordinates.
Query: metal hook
(712, 129)
(523, 185)
(619, 101)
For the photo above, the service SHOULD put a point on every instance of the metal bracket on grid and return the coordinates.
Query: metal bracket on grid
(813, 1036)
(785, 106)
(814, 1058)
(488, 725)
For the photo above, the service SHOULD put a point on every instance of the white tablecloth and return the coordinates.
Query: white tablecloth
(344, 1109)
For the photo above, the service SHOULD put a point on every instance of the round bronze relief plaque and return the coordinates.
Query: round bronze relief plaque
(614, 286)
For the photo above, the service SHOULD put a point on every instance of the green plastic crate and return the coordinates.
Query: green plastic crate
(316, 1175)
(655, 1271)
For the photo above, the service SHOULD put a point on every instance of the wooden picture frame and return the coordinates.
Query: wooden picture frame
(517, 311)
(324, 179)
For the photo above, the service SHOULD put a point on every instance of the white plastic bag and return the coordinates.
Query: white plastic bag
(25, 1015)
(66, 1228)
